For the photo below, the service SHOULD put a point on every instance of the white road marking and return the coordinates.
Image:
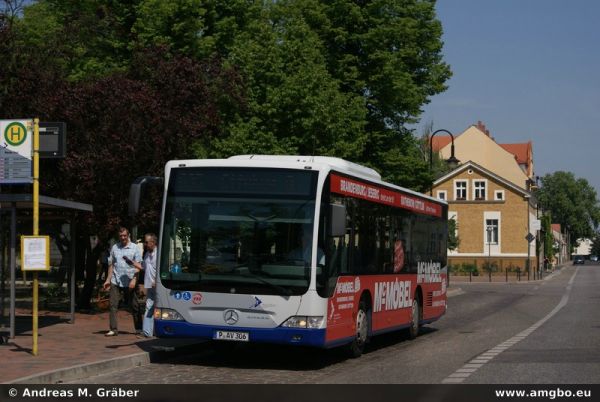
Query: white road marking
(465, 371)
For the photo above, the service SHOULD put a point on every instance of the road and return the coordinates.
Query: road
(494, 333)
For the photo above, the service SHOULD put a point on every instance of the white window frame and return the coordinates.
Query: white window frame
(466, 189)
(444, 193)
(494, 247)
(485, 188)
(502, 195)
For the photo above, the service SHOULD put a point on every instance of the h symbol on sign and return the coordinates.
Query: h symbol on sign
(15, 132)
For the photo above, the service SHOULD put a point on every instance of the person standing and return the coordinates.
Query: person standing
(150, 243)
(124, 260)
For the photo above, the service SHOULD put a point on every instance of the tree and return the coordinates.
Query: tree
(596, 244)
(453, 239)
(294, 106)
(572, 202)
(139, 82)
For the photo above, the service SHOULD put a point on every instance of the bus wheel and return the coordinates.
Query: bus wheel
(413, 330)
(357, 346)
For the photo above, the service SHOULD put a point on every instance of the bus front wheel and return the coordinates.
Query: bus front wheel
(357, 346)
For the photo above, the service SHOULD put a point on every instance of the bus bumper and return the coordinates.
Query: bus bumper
(296, 336)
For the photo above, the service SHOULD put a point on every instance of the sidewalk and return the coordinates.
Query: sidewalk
(73, 351)
(499, 277)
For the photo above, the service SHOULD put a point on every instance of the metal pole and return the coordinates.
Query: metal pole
(490, 257)
(528, 265)
(36, 217)
(73, 253)
(13, 266)
(431, 162)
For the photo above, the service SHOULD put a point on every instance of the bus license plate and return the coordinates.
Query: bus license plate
(232, 336)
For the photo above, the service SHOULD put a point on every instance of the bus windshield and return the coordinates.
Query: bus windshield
(238, 230)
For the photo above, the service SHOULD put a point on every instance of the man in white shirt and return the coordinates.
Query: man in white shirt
(124, 260)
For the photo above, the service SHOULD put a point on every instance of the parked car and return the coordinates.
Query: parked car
(594, 258)
(578, 260)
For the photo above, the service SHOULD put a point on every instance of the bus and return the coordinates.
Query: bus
(299, 250)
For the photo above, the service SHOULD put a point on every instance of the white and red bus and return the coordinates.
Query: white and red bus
(300, 250)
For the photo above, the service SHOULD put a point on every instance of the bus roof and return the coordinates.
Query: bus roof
(342, 164)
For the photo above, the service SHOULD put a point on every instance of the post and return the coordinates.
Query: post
(489, 261)
(13, 266)
(490, 258)
(451, 160)
(73, 247)
(36, 217)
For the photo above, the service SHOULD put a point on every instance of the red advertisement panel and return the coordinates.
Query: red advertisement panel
(381, 195)
(391, 298)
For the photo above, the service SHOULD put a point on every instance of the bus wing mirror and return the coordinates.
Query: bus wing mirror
(135, 192)
(337, 219)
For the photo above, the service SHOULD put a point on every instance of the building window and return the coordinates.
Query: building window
(460, 190)
(499, 195)
(479, 189)
(491, 229)
(442, 195)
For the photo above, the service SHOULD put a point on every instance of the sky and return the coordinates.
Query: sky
(529, 70)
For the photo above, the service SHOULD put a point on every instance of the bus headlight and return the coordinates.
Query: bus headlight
(167, 314)
(303, 321)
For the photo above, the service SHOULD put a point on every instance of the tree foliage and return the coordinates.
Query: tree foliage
(120, 126)
(453, 239)
(573, 203)
(212, 78)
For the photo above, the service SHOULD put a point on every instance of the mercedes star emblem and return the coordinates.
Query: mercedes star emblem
(230, 317)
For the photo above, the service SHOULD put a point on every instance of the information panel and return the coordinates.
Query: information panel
(35, 253)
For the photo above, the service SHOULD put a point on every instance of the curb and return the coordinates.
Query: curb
(86, 370)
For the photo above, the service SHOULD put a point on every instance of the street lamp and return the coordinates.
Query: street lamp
(489, 264)
(451, 161)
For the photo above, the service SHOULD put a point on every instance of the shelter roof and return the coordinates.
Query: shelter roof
(25, 201)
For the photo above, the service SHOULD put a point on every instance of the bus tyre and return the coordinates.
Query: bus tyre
(413, 330)
(357, 346)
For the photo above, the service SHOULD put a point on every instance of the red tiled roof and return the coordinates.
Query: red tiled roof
(556, 227)
(440, 142)
(520, 151)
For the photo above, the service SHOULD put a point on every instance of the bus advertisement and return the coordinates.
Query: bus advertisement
(313, 251)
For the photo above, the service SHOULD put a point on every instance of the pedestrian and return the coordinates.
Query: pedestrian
(150, 244)
(124, 260)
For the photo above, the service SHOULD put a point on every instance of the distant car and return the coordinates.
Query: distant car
(594, 258)
(578, 260)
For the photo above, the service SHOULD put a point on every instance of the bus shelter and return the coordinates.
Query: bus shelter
(19, 206)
